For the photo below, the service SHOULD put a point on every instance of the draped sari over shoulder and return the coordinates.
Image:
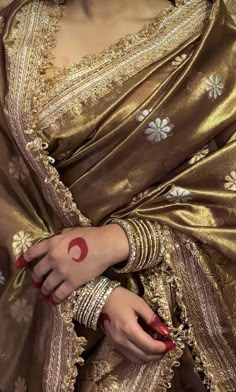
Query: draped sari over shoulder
(146, 129)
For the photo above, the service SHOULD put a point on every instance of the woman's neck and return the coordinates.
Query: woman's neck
(112, 9)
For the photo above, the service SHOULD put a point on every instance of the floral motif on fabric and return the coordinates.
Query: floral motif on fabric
(20, 385)
(179, 60)
(143, 114)
(230, 181)
(1, 24)
(21, 242)
(178, 195)
(214, 87)
(21, 311)
(2, 279)
(140, 195)
(199, 155)
(18, 169)
(158, 130)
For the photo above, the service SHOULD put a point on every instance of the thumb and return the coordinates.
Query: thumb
(151, 319)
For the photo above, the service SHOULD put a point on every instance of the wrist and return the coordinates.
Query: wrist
(115, 243)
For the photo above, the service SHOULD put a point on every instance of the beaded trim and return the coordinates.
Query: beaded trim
(22, 118)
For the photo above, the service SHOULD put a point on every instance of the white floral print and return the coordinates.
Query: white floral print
(158, 129)
(21, 310)
(2, 279)
(21, 242)
(20, 385)
(140, 195)
(214, 86)
(1, 24)
(178, 195)
(199, 155)
(142, 115)
(18, 169)
(179, 59)
(231, 181)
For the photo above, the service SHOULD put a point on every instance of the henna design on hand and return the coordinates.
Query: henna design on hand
(104, 317)
(81, 243)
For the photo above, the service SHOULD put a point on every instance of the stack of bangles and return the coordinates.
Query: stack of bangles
(90, 300)
(145, 244)
(145, 251)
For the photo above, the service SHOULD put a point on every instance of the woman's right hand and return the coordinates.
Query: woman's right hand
(119, 320)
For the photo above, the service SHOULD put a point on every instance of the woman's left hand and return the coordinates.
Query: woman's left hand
(73, 258)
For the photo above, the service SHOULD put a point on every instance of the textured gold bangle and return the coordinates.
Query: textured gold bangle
(146, 244)
(109, 289)
(156, 257)
(96, 293)
(90, 300)
(129, 230)
(160, 236)
(141, 235)
(150, 243)
(97, 298)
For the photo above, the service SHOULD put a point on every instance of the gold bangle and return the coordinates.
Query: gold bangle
(90, 300)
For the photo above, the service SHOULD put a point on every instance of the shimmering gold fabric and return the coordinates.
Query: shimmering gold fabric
(145, 129)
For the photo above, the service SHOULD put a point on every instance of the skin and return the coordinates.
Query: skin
(78, 255)
(102, 248)
(120, 324)
(98, 24)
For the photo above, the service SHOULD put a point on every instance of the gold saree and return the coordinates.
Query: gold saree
(146, 129)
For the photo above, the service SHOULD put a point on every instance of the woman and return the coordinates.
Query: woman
(133, 151)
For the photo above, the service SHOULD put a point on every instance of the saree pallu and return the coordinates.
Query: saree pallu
(146, 129)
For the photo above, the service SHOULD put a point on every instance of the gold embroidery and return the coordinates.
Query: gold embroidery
(1, 24)
(26, 124)
(60, 371)
(204, 334)
(97, 75)
(22, 118)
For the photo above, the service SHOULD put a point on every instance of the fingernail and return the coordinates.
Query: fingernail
(157, 326)
(164, 330)
(169, 345)
(20, 262)
(41, 295)
(51, 302)
(36, 284)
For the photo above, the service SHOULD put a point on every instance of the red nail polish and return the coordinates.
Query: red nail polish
(20, 262)
(51, 302)
(164, 330)
(41, 295)
(157, 326)
(169, 345)
(37, 285)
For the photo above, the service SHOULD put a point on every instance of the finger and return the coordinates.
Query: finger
(63, 291)
(51, 283)
(41, 269)
(145, 342)
(151, 319)
(35, 251)
(135, 355)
